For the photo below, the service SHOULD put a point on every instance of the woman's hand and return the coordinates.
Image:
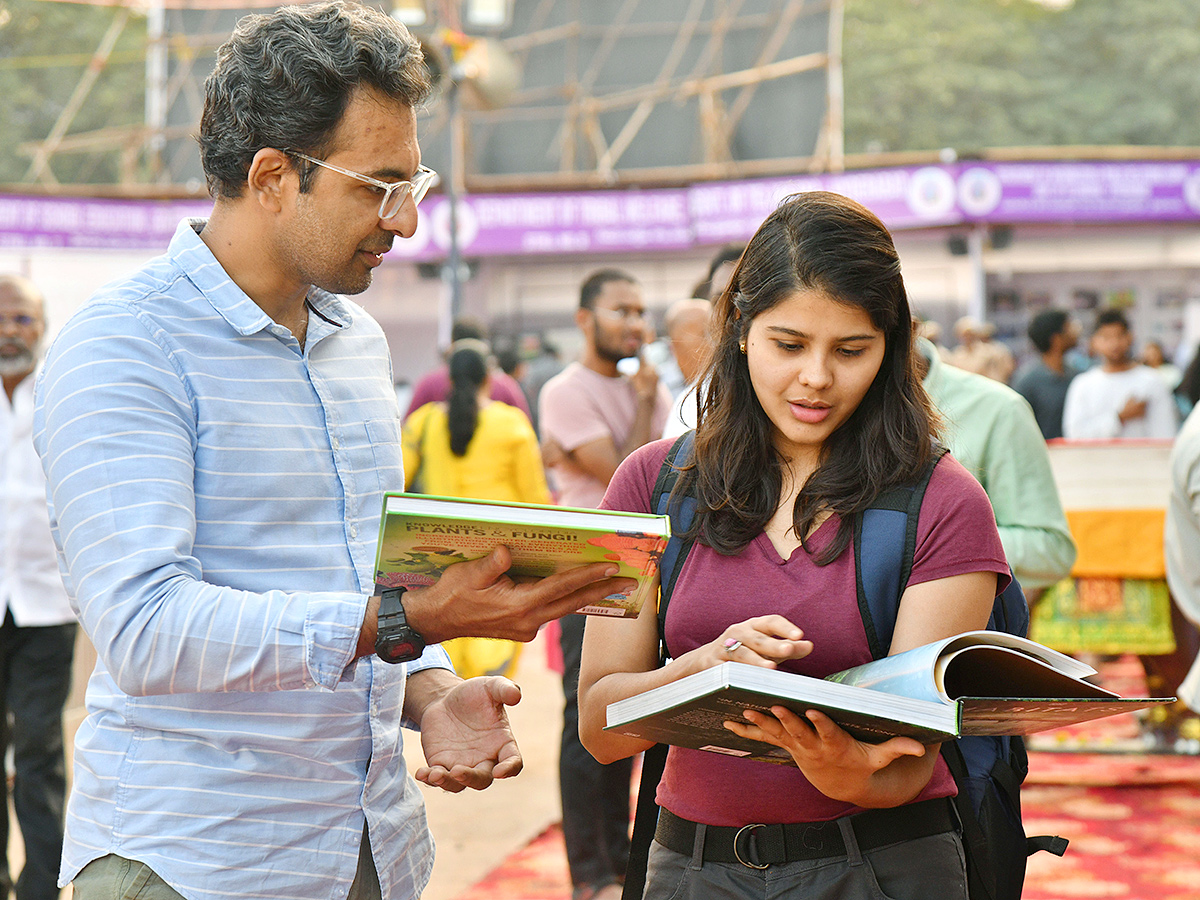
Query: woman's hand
(762, 641)
(838, 765)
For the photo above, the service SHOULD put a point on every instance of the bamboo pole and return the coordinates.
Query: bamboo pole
(642, 111)
(39, 167)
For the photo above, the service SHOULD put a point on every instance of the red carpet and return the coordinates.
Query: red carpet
(1133, 820)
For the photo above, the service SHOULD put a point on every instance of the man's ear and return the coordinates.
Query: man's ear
(583, 319)
(270, 178)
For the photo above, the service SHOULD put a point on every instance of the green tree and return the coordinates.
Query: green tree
(44, 49)
(969, 74)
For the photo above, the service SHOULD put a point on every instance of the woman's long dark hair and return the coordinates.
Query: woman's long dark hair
(812, 241)
(1189, 384)
(468, 372)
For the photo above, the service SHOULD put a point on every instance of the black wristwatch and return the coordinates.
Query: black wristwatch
(395, 639)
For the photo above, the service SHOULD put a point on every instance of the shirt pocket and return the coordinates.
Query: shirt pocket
(384, 438)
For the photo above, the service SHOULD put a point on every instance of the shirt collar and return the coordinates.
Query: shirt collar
(926, 348)
(244, 316)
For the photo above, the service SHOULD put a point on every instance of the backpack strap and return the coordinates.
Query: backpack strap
(682, 511)
(888, 529)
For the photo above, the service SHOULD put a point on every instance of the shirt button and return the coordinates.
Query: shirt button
(353, 531)
(336, 444)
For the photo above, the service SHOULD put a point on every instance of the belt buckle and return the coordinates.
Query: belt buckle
(736, 852)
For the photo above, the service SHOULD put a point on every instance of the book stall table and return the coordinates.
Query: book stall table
(1115, 496)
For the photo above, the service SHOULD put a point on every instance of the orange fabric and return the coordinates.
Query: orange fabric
(1118, 543)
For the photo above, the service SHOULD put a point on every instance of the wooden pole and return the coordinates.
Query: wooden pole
(39, 167)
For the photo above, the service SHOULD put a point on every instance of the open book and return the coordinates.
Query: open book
(980, 682)
(421, 535)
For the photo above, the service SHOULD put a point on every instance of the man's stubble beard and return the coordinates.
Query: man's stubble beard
(612, 354)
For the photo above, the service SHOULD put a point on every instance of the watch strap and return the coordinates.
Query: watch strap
(396, 641)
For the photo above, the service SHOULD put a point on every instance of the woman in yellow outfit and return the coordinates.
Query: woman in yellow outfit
(472, 446)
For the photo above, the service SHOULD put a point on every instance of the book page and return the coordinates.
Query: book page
(908, 674)
(920, 672)
(1005, 672)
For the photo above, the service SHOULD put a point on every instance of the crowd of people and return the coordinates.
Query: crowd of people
(196, 475)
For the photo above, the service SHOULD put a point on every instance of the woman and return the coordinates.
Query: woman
(472, 446)
(812, 408)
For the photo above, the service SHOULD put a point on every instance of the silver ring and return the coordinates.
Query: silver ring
(731, 645)
(738, 853)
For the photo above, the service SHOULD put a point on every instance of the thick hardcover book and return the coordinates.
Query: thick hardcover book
(421, 535)
(980, 682)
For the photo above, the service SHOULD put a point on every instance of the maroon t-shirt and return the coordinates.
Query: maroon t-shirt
(956, 534)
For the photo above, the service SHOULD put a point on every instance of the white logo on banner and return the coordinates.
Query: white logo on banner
(930, 192)
(1191, 189)
(979, 191)
(468, 225)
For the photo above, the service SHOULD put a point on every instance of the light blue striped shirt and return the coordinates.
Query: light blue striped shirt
(215, 496)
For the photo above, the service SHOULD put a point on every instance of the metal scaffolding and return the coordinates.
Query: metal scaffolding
(611, 92)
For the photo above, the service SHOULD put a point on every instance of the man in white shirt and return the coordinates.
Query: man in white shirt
(1120, 398)
(687, 327)
(37, 638)
(1183, 548)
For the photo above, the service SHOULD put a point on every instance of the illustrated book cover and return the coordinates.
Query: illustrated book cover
(421, 535)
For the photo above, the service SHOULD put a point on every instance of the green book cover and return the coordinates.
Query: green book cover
(421, 535)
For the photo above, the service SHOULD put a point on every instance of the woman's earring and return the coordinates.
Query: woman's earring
(742, 346)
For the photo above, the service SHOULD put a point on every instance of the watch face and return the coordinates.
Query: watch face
(397, 649)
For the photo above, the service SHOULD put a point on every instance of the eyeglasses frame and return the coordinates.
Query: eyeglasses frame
(423, 180)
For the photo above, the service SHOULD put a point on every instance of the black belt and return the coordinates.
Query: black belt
(758, 846)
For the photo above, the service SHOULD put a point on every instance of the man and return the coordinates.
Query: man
(1045, 380)
(217, 433)
(1120, 398)
(37, 638)
(544, 366)
(592, 417)
(678, 356)
(435, 386)
(978, 352)
(991, 430)
(687, 324)
(1182, 546)
(720, 270)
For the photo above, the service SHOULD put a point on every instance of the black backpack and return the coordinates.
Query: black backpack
(988, 770)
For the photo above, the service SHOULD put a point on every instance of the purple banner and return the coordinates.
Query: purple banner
(1080, 191)
(27, 221)
(634, 220)
(580, 222)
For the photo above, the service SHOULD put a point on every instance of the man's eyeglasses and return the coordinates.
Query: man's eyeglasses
(20, 319)
(624, 314)
(394, 192)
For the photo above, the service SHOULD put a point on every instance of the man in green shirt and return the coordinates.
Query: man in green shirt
(991, 430)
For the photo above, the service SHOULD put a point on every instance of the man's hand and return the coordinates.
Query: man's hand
(1134, 408)
(466, 736)
(552, 453)
(477, 599)
(645, 381)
